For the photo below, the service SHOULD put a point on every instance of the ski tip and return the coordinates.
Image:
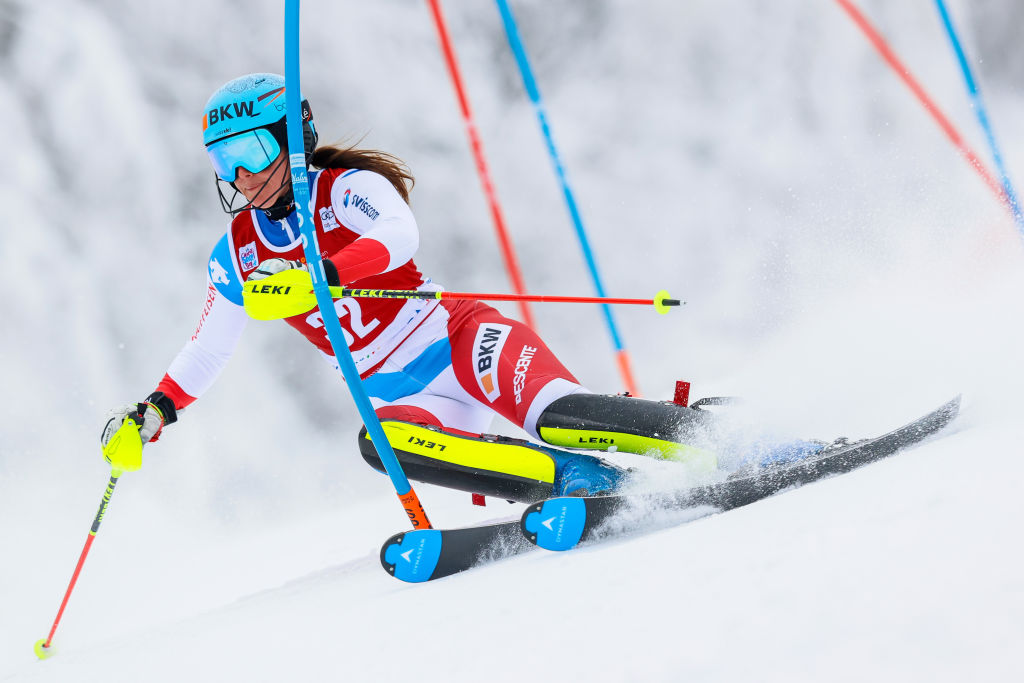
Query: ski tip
(949, 411)
(555, 524)
(412, 556)
(42, 650)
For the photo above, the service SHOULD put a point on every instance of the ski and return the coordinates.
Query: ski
(563, 523)
(427, 554)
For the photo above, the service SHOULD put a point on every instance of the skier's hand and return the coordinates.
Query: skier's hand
(130, 427)
(150, 416)
(273, 266)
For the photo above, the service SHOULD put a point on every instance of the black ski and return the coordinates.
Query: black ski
(563, 523)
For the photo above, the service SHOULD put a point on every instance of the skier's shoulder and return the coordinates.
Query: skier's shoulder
(222, 270)
(361, 191)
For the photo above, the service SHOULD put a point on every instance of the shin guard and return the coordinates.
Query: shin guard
(496, 466)
(633, 425)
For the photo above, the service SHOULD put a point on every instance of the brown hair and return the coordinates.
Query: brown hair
(388, 165)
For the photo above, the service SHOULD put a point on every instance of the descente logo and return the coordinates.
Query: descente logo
(522, 366)
(487, 346)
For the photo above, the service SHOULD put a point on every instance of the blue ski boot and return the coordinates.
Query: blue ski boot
(584, 475)
(784, 453)
(773, 454)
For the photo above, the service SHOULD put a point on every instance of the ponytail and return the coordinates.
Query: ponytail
(387, 165)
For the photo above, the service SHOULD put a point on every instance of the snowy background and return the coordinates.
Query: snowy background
(845, 271)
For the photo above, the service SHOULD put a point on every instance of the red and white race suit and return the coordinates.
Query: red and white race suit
(449, 364)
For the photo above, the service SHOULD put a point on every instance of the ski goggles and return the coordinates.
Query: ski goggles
(253, 150)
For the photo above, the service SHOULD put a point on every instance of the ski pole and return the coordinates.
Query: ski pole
(124, 453)
(42, 647)
(289, 293)
(661, 300)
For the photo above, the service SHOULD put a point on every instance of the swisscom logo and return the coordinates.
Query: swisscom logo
(360, 203)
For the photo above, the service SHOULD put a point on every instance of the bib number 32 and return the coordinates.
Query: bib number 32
(350, 308)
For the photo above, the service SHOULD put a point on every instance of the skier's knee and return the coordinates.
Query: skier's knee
(413, 414)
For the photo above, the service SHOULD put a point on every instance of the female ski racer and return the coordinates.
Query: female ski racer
(436, 371)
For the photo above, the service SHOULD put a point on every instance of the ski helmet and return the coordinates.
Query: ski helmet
(244, 126)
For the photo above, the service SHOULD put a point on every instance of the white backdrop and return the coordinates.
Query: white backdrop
(841, 262)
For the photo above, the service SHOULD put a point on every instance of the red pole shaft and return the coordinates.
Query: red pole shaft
(71, 586)
(478, 296)
(85, 551)
(507, 250)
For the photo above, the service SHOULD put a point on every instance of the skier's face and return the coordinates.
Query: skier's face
(262, 189)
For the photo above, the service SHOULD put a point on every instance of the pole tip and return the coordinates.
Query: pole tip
(662, 302)
(42, 650)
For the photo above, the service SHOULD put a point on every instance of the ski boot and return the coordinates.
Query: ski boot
(765, 456)
(584, 475)
(783, 454)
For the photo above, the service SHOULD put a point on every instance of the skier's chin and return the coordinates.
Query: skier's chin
(261, 200)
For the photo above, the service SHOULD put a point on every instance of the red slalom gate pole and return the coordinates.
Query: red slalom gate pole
(944, 123)
(508, 251)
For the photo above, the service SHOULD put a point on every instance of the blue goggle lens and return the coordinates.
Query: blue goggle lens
(253, 150)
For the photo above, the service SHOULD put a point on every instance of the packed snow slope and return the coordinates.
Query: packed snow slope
(844, 269)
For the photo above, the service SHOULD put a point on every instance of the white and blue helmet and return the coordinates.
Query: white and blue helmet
(244, 126)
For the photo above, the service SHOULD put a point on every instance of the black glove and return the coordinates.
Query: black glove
(331, 273)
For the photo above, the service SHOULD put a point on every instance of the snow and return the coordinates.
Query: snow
(844, 269)
(899, 571)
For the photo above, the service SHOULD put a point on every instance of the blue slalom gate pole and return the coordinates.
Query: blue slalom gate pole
(530, 83)
(335, 333)
(981, 112)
